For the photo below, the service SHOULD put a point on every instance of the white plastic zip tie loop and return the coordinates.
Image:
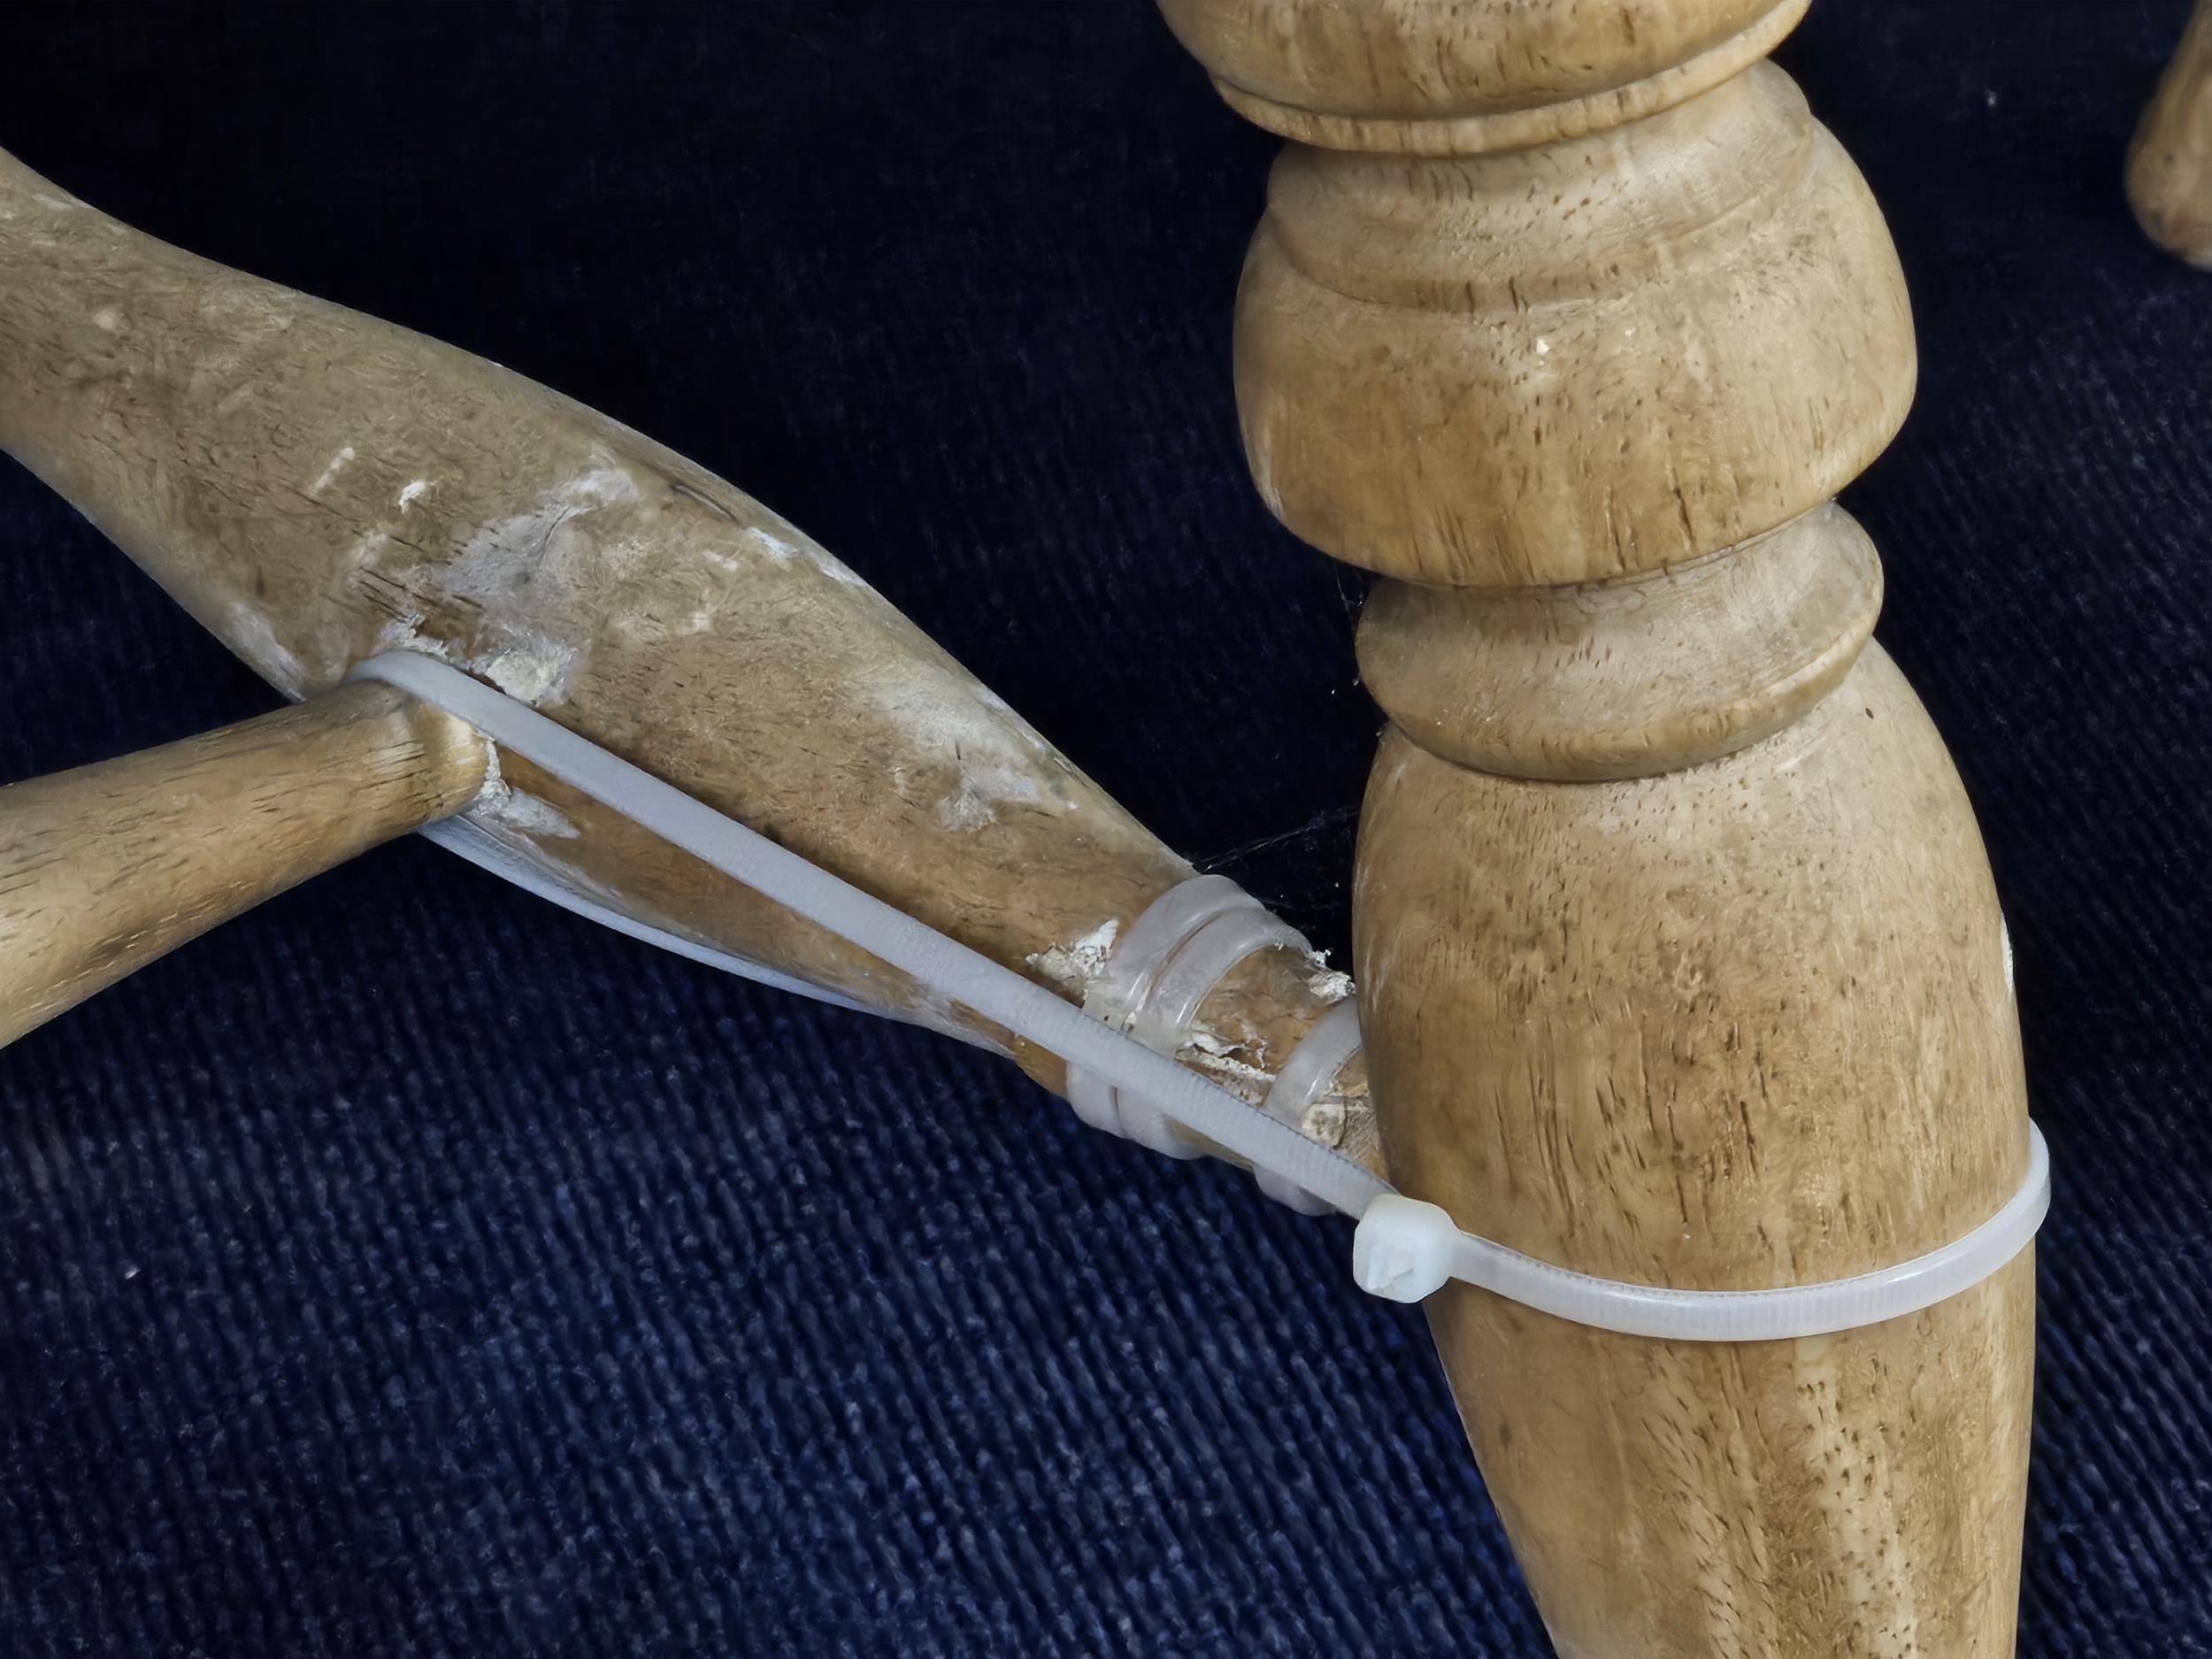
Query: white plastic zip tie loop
(1155, 980)
(1313, 1065)
(950, 968)
(1403, 1248)
(457, 835)
(1163, 927)
(1155, 934)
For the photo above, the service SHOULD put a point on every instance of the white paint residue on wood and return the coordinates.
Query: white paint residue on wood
(838, 571)
(528, 575)
(781, 551)
(952, 721)
(771, 544)
(338, 464)
(979, 758)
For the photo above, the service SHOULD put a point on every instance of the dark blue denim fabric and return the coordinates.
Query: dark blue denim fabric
(409, 1268)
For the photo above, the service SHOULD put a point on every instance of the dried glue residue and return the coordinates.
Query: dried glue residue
(1202, 1051)
(1074, 966)
(1324, 1121)
(1331, 985)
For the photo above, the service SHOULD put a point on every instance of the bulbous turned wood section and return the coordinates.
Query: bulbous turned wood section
(1572, 363)
(1626, 678)
(2169, 164)
(1484, 74)
(1734, 1026)
(1679, 959)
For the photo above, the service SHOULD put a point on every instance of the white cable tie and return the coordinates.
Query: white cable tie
(1403, 1248)
(1162, 1021)
(1159, 929)
(1174, 956)
(957, 972)
(1157, 933)
(1320, 1055)
(486, 851)
(1121, 991)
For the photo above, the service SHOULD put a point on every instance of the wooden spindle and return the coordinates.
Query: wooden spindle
(2169, 165)
(317, 487)
(104, 868)
(1679, 959)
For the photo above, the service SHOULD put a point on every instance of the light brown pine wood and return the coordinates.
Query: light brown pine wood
(316, 487)
(104, 868)
(1679, 959)
(2169, 165)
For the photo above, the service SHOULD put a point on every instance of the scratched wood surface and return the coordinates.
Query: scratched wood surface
(316, 487)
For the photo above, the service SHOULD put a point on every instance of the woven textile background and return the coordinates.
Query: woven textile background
(411, 1269)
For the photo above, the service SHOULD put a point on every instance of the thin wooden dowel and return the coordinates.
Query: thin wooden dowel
(105, 868)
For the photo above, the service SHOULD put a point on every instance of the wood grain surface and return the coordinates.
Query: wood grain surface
(1679, 959)
(106, 867)
(316, 486)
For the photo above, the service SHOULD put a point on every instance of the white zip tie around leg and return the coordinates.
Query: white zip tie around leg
(1403, 1248)
(1173, 957)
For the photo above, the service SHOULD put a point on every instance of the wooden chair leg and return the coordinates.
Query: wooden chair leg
(2169, 165)
(1679, 955)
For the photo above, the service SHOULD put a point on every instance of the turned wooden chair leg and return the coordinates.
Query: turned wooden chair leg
(107, 867)
(2169, 165)
(1679, 959)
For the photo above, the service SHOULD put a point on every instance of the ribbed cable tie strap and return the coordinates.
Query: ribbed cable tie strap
(1403, 1248)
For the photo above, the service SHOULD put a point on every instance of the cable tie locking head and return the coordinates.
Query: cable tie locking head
(1403, 1248)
